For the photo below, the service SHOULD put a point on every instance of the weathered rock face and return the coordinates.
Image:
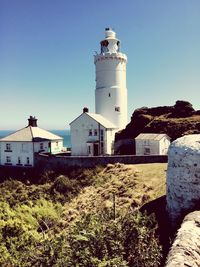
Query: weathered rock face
(175, 121)
(185, 250)
(183, 177)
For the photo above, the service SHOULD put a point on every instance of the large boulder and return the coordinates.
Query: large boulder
(182, 109)
(183, 177)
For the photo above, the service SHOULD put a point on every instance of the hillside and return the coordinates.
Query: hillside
(175, 121)
(84, 218)
(133, 186)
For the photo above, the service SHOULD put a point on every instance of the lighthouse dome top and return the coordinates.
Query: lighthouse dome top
(109, 33)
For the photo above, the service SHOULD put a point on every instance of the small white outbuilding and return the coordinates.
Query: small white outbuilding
(18, 149)
(152, 144)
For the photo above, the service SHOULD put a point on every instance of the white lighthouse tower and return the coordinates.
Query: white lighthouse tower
(93, 134)
(111, 91)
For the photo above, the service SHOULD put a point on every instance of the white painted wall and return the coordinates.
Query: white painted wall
(56, 146)
(156, 147)
(164, 146)
(24, 151)
(81, 140)
(38, 146)
(110, 137)
(111, 91)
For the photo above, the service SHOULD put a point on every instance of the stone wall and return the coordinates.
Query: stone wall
(64, 162)
(185, 250)
(183, 177)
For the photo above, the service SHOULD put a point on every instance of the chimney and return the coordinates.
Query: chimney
(85, 110)
(32, 121)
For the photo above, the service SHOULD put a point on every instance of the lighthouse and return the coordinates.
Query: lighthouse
(111, 91)
(93, 134)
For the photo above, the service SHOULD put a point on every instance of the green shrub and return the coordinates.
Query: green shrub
(64, 185)
(98, 241)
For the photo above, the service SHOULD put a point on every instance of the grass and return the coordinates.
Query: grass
(132, 185)
(153, 177)
(51, 217)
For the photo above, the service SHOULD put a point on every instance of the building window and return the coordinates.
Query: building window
(109, 95)
(56, 143)
(146, 151)
(90, 132)
(117, 109)
(8, 159)
(41, 146)
(102, 148)
(95, 132)
(147, 142)
(101, 138)
(89, 150)
(19, 160)
(8, 147)
(27, 160)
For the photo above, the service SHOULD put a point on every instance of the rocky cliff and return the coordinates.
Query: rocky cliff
(175, 121)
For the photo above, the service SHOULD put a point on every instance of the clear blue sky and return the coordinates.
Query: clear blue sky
(47, 48)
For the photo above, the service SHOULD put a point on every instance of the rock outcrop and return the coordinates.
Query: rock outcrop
(183, 177)
(185, 250)
(175, 121)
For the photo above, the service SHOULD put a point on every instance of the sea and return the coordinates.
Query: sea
(63, 133)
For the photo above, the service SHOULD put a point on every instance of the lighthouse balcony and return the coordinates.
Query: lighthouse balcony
(107, 55)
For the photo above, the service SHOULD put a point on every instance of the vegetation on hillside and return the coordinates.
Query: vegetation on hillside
(84, 218)
(175, 121)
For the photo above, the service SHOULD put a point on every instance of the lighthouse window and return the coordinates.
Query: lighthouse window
(117, 109)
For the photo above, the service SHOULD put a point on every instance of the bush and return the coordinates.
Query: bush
(64, 185)
(99, 241)
(23, 229)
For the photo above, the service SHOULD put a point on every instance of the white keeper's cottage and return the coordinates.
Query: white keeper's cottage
(18, 149)
(152, 144)
(93, 134)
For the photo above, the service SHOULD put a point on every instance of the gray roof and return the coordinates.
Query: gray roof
(103, 121)
(98, 118)
(151, 136)
(29, 134)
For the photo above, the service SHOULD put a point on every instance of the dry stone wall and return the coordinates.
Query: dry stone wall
(185, 250)
(65, 162)
(183, 177)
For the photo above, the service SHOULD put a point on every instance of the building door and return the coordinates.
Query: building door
(96, 149)
(49, 147)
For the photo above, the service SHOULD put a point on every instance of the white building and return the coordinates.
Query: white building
(18, 149)
(92, 135)
(110, 102)
(152, 144)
